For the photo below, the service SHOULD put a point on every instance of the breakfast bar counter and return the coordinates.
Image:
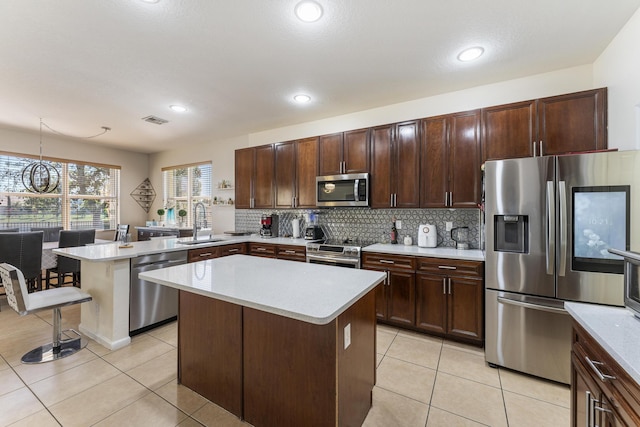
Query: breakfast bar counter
(277, 342)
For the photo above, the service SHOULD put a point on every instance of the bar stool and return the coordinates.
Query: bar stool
(51, 234)
(24, 250)
(66, 265)
(52, 299)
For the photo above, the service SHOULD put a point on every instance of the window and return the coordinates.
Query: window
(183, 187)
(87, 196)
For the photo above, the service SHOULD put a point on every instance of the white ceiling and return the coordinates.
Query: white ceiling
(235, 64)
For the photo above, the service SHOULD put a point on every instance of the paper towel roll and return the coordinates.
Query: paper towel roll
(295, 224)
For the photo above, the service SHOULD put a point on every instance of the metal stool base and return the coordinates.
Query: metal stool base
(46, 353)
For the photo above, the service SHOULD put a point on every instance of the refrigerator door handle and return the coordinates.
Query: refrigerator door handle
(562, 200)
(532, 306)
(551, 228)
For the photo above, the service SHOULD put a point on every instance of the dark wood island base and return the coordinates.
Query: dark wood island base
(272, 370)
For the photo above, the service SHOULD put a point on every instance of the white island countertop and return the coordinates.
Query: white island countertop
(616, 329)
(308, 292)
(413, 250)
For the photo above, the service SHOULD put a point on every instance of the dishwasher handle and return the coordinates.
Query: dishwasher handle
(158, 264)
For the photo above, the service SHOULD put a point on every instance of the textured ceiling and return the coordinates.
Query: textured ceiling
(84, 64)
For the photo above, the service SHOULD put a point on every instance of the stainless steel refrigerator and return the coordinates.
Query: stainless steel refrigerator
(549, 223)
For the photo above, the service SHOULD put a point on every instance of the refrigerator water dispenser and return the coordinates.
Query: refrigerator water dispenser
(511, 233)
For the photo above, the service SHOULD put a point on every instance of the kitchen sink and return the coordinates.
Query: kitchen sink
(197, 242)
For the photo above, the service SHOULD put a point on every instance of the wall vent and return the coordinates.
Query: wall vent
(155, 120)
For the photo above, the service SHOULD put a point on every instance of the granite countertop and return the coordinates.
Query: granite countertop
(616, 329)
(308, 292)
(442, 252)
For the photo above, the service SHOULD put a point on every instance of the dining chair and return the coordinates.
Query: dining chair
(24, 250)
(122, 229)
(52, 299)
(69, 267)
(50, 233)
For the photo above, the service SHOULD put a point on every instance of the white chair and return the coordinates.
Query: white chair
(51, 299)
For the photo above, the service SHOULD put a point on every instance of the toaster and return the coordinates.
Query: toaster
(427, 236)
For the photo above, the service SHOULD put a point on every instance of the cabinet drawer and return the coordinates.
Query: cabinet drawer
(377, 260)
(294, 253)
(451, 267)
(235, 249)
(261, 249)
(201, 254)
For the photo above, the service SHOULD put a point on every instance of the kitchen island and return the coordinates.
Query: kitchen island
(277, 342)
(106, 272)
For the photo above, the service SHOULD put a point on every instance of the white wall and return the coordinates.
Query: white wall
(548, 84)
(618, 68)
(134, 166)
(222, 156)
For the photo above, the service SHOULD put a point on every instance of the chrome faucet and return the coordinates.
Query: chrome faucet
(195, 218)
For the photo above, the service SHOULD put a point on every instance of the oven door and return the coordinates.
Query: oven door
(333, 260)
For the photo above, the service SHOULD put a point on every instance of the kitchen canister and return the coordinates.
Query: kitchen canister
(408, 241)
(295, 225)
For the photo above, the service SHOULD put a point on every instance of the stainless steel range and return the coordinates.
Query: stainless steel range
(342, 253)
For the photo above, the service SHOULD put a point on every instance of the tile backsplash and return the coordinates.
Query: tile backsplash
(370, 225)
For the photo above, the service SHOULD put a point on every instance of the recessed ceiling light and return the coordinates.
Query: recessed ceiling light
(308, 11)
(470, 54)
(178, 108)
(301, 99)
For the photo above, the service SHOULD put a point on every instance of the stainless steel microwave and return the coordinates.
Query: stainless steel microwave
(631, 279)
(342, 190)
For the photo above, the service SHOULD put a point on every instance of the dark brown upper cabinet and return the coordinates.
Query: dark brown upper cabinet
(296, 168)
(395, 165)
(254, 175)
(344, 152)
(562, 124)
(450, 174)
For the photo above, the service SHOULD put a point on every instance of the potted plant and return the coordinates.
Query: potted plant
(182, 213)
(160, 213)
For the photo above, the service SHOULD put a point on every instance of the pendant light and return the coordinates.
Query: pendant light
(39, 177)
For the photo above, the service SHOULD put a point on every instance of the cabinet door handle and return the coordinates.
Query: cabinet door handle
(444, 286)
(450, 198)
(205, 254)
(446, 196)
(593, 364)
(385, 261)
(447, 267)
(589, 413)
(535, 153)
(261, 249)
(391, 200)
(387, 281)
(449, 282)
(289, 252)
(541, 153)
(233, 250)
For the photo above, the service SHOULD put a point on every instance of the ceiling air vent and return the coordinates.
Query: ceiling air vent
(155, 120)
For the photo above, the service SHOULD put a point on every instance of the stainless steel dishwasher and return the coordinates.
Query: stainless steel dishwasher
(151, 304)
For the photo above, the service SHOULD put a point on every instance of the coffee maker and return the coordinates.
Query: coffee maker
(269, 226)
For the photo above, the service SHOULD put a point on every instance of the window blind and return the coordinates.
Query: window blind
(87, 196)
(183, 187)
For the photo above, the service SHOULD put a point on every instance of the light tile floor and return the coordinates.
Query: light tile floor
(421, 381)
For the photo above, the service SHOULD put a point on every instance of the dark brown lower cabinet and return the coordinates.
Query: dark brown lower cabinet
(271, 370)
(450, 305)
(602, 393)
(441, 296)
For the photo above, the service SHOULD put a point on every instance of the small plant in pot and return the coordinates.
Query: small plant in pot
(182, 213)
(160, 213)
